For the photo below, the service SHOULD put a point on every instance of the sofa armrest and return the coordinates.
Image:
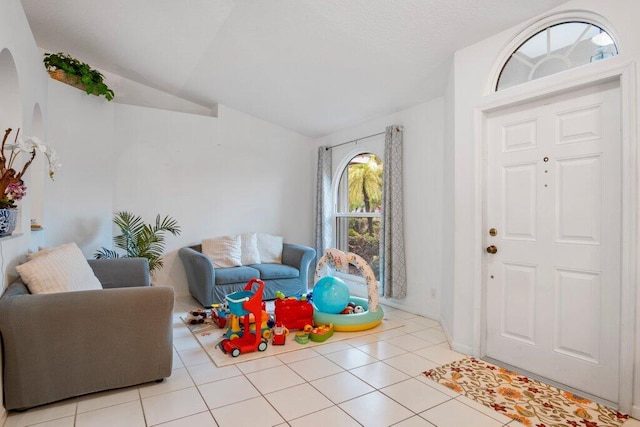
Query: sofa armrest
(201, 276)
(121, 272)
(67, 344)
(300, 257)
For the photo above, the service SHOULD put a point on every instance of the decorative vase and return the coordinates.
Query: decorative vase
(8, 220)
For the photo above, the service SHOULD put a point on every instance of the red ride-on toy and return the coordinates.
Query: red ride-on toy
(244, 304)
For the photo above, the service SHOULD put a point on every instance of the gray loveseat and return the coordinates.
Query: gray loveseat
(210, 285)
(56, 346)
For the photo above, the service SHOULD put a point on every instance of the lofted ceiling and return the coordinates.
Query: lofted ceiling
(313, 66)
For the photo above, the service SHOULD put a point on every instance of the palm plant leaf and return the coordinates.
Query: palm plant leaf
(138, 239)
(105, 253)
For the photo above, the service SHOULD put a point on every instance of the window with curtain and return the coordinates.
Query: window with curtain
(359, 210)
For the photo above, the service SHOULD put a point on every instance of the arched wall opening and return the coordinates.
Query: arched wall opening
(37, 177)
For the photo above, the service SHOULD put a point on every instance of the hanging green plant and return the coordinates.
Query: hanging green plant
(69, 70)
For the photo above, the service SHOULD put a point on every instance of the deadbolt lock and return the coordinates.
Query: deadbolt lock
(493, 232)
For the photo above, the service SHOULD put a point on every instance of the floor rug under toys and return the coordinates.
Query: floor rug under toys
(531, 402)
(209, 335)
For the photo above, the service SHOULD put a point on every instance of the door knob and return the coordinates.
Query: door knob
(492, 249)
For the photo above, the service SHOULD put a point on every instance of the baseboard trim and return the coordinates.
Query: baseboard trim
(635, 412)
(461, 348)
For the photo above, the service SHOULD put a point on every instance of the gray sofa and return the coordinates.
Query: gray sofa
(209, 285)
(56, 346)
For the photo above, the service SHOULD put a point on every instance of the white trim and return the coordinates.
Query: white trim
(614, 69)
(531, 29)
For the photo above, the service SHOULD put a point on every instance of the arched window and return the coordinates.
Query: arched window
(557, 48)
(359, 209)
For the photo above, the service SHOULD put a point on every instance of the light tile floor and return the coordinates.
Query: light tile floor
(372, 380)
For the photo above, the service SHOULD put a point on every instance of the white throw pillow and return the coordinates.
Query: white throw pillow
(250, 254)
(225, 251)
(60, 269)
(41, 251)
(270, 248)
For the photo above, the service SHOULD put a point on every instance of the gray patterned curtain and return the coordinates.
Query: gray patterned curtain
(392, 242)
(323, 201)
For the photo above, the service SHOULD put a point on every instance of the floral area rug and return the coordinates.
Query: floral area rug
(531, 402)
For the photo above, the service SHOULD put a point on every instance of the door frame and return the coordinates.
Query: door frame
(614, 69)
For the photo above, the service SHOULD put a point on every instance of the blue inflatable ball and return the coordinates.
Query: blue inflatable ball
(330, 295)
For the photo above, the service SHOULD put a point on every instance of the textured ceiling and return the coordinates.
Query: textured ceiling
(313, 66)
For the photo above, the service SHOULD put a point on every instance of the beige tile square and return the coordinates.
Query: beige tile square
(382, 350)
(294, 356)
(332, 347)
(376, 409)
(379, 374)
(178, 380)
(273, 379)
(332, 416)
(440, 355)
(203, 419)
(342, 387)
(209, 372)
(295, 402)
(252, 412)
(415, 421)
(350, 358)
(185, 343)
(317, 367)
(123, 415)
(43, 413)
(173, 405)
(60, 422)
(104, 399)
(409, 342)
(432, 335)
(259, 364)
(195, 356)
(411, 364)
(227, 392)
(415, 395)
(455, 414)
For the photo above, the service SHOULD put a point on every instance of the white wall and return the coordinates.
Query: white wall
(469, 92)
(215, 176)
(423, 150)
(78, 204)
(16, 37)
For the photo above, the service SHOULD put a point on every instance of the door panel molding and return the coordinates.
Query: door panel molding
(617, 70)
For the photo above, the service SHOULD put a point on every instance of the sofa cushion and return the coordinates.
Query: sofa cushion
(236, 274)
(250, 254)
(61, 269)
(276, 271)
(223, 251)
(270, 248)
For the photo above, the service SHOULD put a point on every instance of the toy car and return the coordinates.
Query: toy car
(196, 316)
(244, 304)
(219, 313)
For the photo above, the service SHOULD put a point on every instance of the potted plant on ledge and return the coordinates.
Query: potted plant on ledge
(65, 68)
(12, 188)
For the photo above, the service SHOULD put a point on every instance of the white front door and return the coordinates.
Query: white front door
(553, 198)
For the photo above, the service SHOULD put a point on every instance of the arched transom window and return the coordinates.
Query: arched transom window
(557, 48)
